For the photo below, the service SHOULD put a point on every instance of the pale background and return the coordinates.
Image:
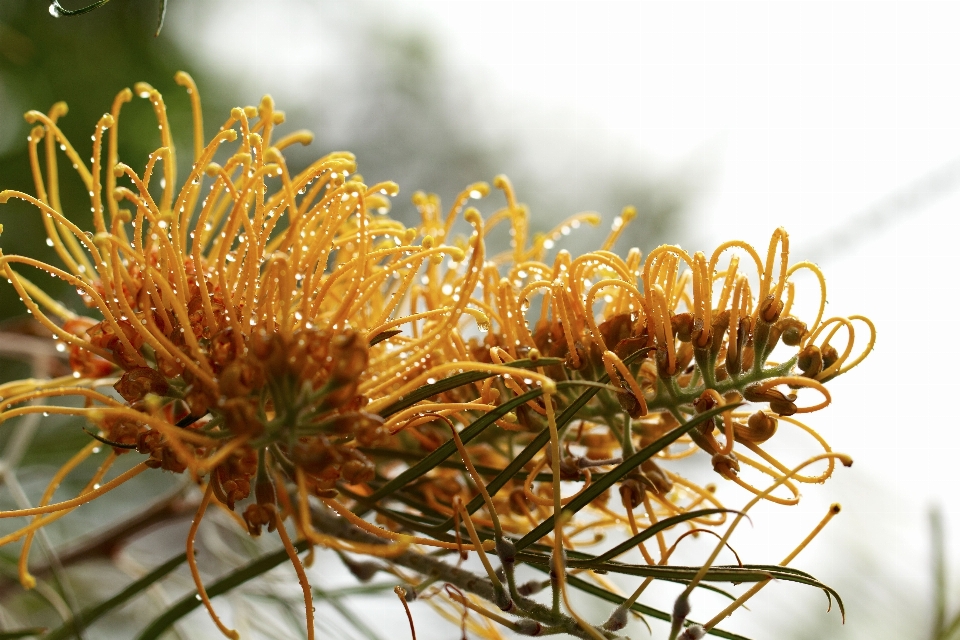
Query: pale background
(838, 121)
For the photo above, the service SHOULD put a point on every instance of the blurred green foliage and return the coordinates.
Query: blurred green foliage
(84, 60)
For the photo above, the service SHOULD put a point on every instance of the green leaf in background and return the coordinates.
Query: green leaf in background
(91, 614)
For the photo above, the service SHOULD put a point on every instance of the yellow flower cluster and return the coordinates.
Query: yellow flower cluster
(287, 343)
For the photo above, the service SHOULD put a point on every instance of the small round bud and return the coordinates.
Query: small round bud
(506, 551)
(693, 632)
(617, 619)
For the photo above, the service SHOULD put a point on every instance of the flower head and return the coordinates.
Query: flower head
(283, 340)
(248, 320)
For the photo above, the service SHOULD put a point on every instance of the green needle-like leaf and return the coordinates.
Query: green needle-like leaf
(449, 447)
(634, 461)
(458, 381)
(538, 443)
(235, 579)
(649, 532)
(602, 593)
(91, 614)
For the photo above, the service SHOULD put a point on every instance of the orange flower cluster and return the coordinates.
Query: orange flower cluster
(282, 339)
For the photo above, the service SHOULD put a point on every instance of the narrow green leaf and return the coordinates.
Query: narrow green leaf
(414, 456)
(734, 574)
(649, 532)
(449, 447)
(225, 584)
(538, 443)
(620, 471)
(91, 614)
(603, 594)
(458, 381)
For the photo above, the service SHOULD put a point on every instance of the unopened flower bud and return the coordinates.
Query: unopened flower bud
(693, 632)
(810, 361)
(726, 464)
(617, 619)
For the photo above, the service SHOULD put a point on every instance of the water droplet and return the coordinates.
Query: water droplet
(54, 11)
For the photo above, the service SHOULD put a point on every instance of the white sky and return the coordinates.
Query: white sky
(814, 111)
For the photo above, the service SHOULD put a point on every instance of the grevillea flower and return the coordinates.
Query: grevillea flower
(668, 337)
(248, 321)
(288, 344)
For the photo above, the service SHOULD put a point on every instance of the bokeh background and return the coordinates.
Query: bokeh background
(838, 121)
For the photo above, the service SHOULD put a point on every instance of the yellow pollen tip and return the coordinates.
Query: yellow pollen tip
(409, 235)
(391, 188)
(479, 190)
(119, 169)
(250, 111)
(628, 213)
(500, 181)
(473, 216)
(213, 168)
(254, 139)
(457, 254)
(236, 113)
(272, 155)
(427, 242)
(143, 89)
(107, 120)
(279, 117)
(5, 195)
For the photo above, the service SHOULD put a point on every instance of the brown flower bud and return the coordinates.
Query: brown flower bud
(139, 381)
(726, 464)
(770, 309)
(810, 361)
(630, 404)
(358, 469)
(760, 427)
(241, 417)
(631, 493)
(682, 326)
(256, 516)
(790, 330)
(830, 355)
(657, 478)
